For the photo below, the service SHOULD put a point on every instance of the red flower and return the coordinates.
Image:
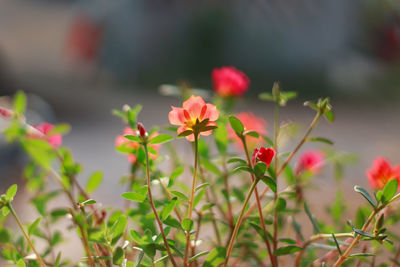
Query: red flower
(5, 113)
(251, 123)
(310, 161)
(381, 172)
(194, 111)
(263, 154)
(45, 132)
(121, 140)
(229, 81)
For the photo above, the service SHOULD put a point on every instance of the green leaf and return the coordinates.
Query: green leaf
(161, 138)
(361, 255)
(19, 102)
(266, 97)
(365, 194)
(320, 139)
(312, 219)
(94, 181)
(288, 241)
(179, 194)
(187, 224)
(269, 182)
(287, 250)
(236, 125)
(12, 190)
(118, 227)
(185, 133)
(88, 202)
(215, 257)
(329, 115)
(337, 244)
(239, 160)
(33, 226)
(118, 256)
(252, 134)
(137, 197)
(259, 230)
(389, 190)
(259, 169)
(198, 255)
(21, 263)
(168, 209)
(210, 166)
(244, 168)
(200, 186)
(171, 221)
(61, 128)
(133, 138)
(280, 204)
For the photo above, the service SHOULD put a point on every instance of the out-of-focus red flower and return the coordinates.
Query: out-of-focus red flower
(5, 113)
(84, 37)
(121, 140)
(310, 161)
(229, 81)
(382, 172)
(45, 129)
(251, 123)
(194, 111)
(263, 154)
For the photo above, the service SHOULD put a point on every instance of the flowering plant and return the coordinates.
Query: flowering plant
(245, 205)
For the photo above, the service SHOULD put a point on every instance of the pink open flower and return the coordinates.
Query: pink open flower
(310, 161)
(264, 155)
(45, 129)
(251, 123)
(190, 117)
(229, 81)
(120, 140)
(382, 172)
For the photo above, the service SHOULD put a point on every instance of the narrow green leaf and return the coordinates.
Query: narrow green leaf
(337, 244)
(266, 97)
(259, 169)
(19, 102)
(21, 263)
(236, 125)
(118, 256)
(133, 138)
(312, 219)
(179, 194)
(269, 182)
(134, 196)
(221, 139)
(239, 160)
(185, 133)
(33, 226)
(161, 138)
(168, 209)
(200, 186)
(361, 255)
(320, 139)
(329, 115)
(252, 134)
(287, 250)
(88, 202)
(215, 257)
(280, 204)
(389, 190)
(365, 194)
(94, 181)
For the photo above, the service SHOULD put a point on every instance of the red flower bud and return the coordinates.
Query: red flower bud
(142, 130)
(263, 154)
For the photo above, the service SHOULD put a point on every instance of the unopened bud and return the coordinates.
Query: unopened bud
(126, 108)
(142, 130)
(5, 113)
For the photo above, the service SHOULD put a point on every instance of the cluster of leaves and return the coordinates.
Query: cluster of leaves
(131, 236)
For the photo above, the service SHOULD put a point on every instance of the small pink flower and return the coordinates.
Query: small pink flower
(310, 161)
(229, 81)
(5, 113)
(382, 172)
(121, 140)
(264, 155)
(45, 128)
(194, 111)
(251, 123)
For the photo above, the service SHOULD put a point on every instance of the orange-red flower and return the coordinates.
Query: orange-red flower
(44, 132)
(264, 155)
(382, 172)
(193, 113)
(229, 81)
(310, 161)
(250, 123)
(121, 140)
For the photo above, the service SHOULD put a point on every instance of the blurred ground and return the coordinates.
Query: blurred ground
(84, 98)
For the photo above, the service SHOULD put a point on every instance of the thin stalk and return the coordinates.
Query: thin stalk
(287, 161)
(275, 214)
(196, 148)
(154, 208)
(239, 222)
(228, 202)
(262, 222)
(38, 257)
(196, 237)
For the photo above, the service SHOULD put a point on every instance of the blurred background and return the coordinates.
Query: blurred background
(77, 60)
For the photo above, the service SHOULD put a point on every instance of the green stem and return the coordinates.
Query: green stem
(275, 214)
(262, 222)
(196, 151)
(239, 222)
(154, 208)
(38, 257)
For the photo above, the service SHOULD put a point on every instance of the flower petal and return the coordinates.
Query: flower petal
(176, 116)
(194, 106)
